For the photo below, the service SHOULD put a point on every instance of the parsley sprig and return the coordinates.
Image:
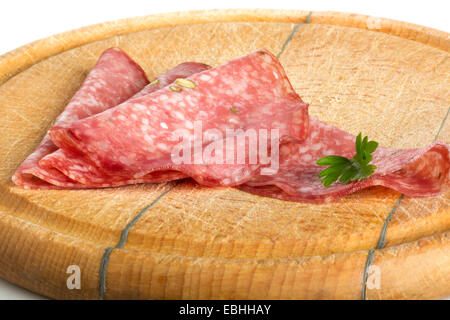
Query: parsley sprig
(354, 169)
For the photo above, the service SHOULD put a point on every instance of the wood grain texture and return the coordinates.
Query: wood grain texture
(388, 78)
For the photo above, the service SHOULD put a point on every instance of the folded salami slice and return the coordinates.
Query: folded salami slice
(114, 79)
(414, 172)
(138, 137)
(86, 175)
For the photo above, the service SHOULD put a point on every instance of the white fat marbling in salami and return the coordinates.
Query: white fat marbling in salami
(136, 139)
(414, 172)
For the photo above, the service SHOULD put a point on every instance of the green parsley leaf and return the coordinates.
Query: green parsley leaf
(347, 170)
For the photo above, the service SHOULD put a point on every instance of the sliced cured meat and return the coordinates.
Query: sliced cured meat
(84, 174)
(414, 172)
(114, 79)
(192, 120)
(137, 138)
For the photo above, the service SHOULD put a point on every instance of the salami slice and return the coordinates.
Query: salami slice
(114, 79)
(414, 172)
(138, 137)
(201, 123)
(86, 175)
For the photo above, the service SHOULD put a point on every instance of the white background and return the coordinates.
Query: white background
(25, 21)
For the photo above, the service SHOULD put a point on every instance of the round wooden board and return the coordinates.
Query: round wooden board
(386, 78)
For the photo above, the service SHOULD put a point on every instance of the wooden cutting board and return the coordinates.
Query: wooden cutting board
(386, 78)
